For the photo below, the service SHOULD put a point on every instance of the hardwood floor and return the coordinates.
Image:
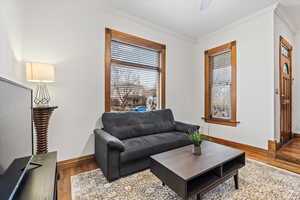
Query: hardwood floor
(259, 155)
(64, 183)
(296, 135)
(290, 151)
(274, 162)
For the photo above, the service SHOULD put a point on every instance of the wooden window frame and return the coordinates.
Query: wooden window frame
(231, 122)
(111, 35)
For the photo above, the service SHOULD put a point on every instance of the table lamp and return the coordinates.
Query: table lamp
(40, 73)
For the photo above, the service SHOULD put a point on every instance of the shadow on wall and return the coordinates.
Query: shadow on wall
(91, 139)
(11, 49)
(99, 124)
(1, 170)
(87, 147)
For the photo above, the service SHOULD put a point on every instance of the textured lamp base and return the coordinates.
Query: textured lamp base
(42, 97)
(41, 117)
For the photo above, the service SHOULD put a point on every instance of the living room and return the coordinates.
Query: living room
(98, 50)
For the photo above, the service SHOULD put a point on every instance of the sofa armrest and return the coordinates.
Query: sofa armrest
(107, 153)
(184, 127)
(111, 141)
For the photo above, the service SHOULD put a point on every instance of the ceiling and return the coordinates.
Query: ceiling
(292, 8)
(185, 16)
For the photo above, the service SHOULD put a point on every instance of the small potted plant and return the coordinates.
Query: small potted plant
(196, 139)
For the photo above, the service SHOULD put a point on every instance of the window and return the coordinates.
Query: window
(134, 73)
(285, 51)
(220, 85)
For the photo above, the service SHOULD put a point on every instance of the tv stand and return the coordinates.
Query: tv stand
(36, 164)
(33, 166)
(39, 182)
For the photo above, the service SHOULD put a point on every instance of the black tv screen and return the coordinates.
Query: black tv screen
(16, 138)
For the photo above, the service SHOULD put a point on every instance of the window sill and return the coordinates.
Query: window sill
(222, 122)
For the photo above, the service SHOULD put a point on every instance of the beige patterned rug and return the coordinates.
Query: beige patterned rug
(257, 182)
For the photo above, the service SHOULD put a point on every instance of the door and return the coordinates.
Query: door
(285, 91)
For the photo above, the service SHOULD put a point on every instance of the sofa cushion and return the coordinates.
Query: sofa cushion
(125, 125)
(141, 147)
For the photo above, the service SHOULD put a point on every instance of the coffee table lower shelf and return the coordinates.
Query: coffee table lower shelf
(199, 187)
(201, 183)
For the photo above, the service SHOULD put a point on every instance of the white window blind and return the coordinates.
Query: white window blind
(134, 54)
(135, 78)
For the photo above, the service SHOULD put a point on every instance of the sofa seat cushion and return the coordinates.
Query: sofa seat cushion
(141, 147)
(124, 125)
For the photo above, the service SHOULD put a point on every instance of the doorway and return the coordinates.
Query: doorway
(285, 73)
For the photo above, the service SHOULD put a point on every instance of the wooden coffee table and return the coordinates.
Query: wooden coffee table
(189, 175)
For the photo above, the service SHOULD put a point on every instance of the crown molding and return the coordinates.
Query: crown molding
(140, 21)
(239, 22)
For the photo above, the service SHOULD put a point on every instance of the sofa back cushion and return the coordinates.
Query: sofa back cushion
(124, 125)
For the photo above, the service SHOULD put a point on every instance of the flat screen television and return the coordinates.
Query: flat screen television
(16, 135)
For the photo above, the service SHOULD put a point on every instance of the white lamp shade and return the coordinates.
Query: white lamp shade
(40, 72)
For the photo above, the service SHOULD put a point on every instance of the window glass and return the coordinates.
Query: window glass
(221, 86)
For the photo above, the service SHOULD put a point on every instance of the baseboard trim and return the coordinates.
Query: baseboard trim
(236, 145)
(296, 135)
(273, 147)
(75, 161)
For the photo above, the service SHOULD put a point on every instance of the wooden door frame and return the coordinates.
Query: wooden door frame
(284, 42)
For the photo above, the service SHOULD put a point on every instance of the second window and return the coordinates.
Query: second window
(220, 85)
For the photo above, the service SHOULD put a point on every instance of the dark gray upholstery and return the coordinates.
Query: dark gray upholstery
(107, 151)
(127, 140)
(187, 128)
(135, 166)
(140, 147)
(125, 125)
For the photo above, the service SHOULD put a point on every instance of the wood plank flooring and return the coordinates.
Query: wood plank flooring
(64, 183)
(290, 151)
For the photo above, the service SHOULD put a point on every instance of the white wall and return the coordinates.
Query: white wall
(10, 39)
(296, 96)
(70, 34)
(281, 28)
(255, 79)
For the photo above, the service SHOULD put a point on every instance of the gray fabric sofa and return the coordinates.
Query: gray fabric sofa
(127, 140)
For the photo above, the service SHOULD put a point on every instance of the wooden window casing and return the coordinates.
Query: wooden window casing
(113, 35)
(230, 47)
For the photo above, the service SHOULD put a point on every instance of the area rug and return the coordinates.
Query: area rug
(257, 182)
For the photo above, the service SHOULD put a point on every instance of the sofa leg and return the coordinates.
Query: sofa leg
(163, 184)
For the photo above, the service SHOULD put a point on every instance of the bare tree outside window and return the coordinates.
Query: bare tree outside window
(125, 88)
(133, 89)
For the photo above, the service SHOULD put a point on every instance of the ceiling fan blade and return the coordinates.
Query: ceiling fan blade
(205, 4)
